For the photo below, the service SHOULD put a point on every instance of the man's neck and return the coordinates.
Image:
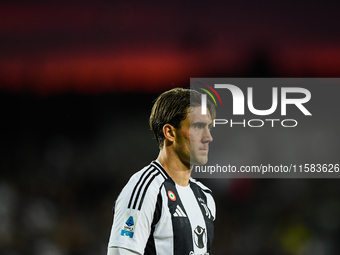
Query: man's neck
(179, 172)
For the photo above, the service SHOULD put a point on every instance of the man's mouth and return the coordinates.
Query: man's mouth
(204, 149)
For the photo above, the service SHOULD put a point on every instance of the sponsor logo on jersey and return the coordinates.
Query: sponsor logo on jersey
(171, 195)
(200, 237)
(129, 226)
(179, 212)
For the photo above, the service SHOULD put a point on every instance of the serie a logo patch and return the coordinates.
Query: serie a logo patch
(129, 226)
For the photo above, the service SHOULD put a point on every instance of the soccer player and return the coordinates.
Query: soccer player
(162, 210)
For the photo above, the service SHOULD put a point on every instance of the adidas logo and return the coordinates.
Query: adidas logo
(179, 212)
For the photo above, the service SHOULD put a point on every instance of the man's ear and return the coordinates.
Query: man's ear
(169, 132)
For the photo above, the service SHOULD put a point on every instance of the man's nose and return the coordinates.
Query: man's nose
(207, 136)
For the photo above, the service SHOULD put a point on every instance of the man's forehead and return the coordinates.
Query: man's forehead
(195, 115)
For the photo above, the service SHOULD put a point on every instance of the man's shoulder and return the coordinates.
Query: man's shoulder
(148, 179)
(142, 188)
(148, 173)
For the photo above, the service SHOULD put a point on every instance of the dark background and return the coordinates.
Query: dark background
(77, 82)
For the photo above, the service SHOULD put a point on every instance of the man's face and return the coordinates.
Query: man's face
(192, 143)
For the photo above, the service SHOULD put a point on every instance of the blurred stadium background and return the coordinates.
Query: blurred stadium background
(77, 82)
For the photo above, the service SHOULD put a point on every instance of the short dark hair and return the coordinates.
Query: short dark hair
(172, 107)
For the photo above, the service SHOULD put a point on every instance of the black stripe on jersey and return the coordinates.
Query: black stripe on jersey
(137, 184)
(161, 169)
(182, 232)
(205, 189)
(145, 189)
(202, 202)
(142, 185)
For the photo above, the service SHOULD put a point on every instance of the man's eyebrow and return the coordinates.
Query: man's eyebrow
(199, 123)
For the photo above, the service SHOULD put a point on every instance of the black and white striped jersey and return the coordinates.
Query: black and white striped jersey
(154, 215)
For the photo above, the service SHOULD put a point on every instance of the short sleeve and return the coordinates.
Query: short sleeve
(133, 215)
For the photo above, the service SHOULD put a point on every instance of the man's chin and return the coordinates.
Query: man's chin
(199, 161)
